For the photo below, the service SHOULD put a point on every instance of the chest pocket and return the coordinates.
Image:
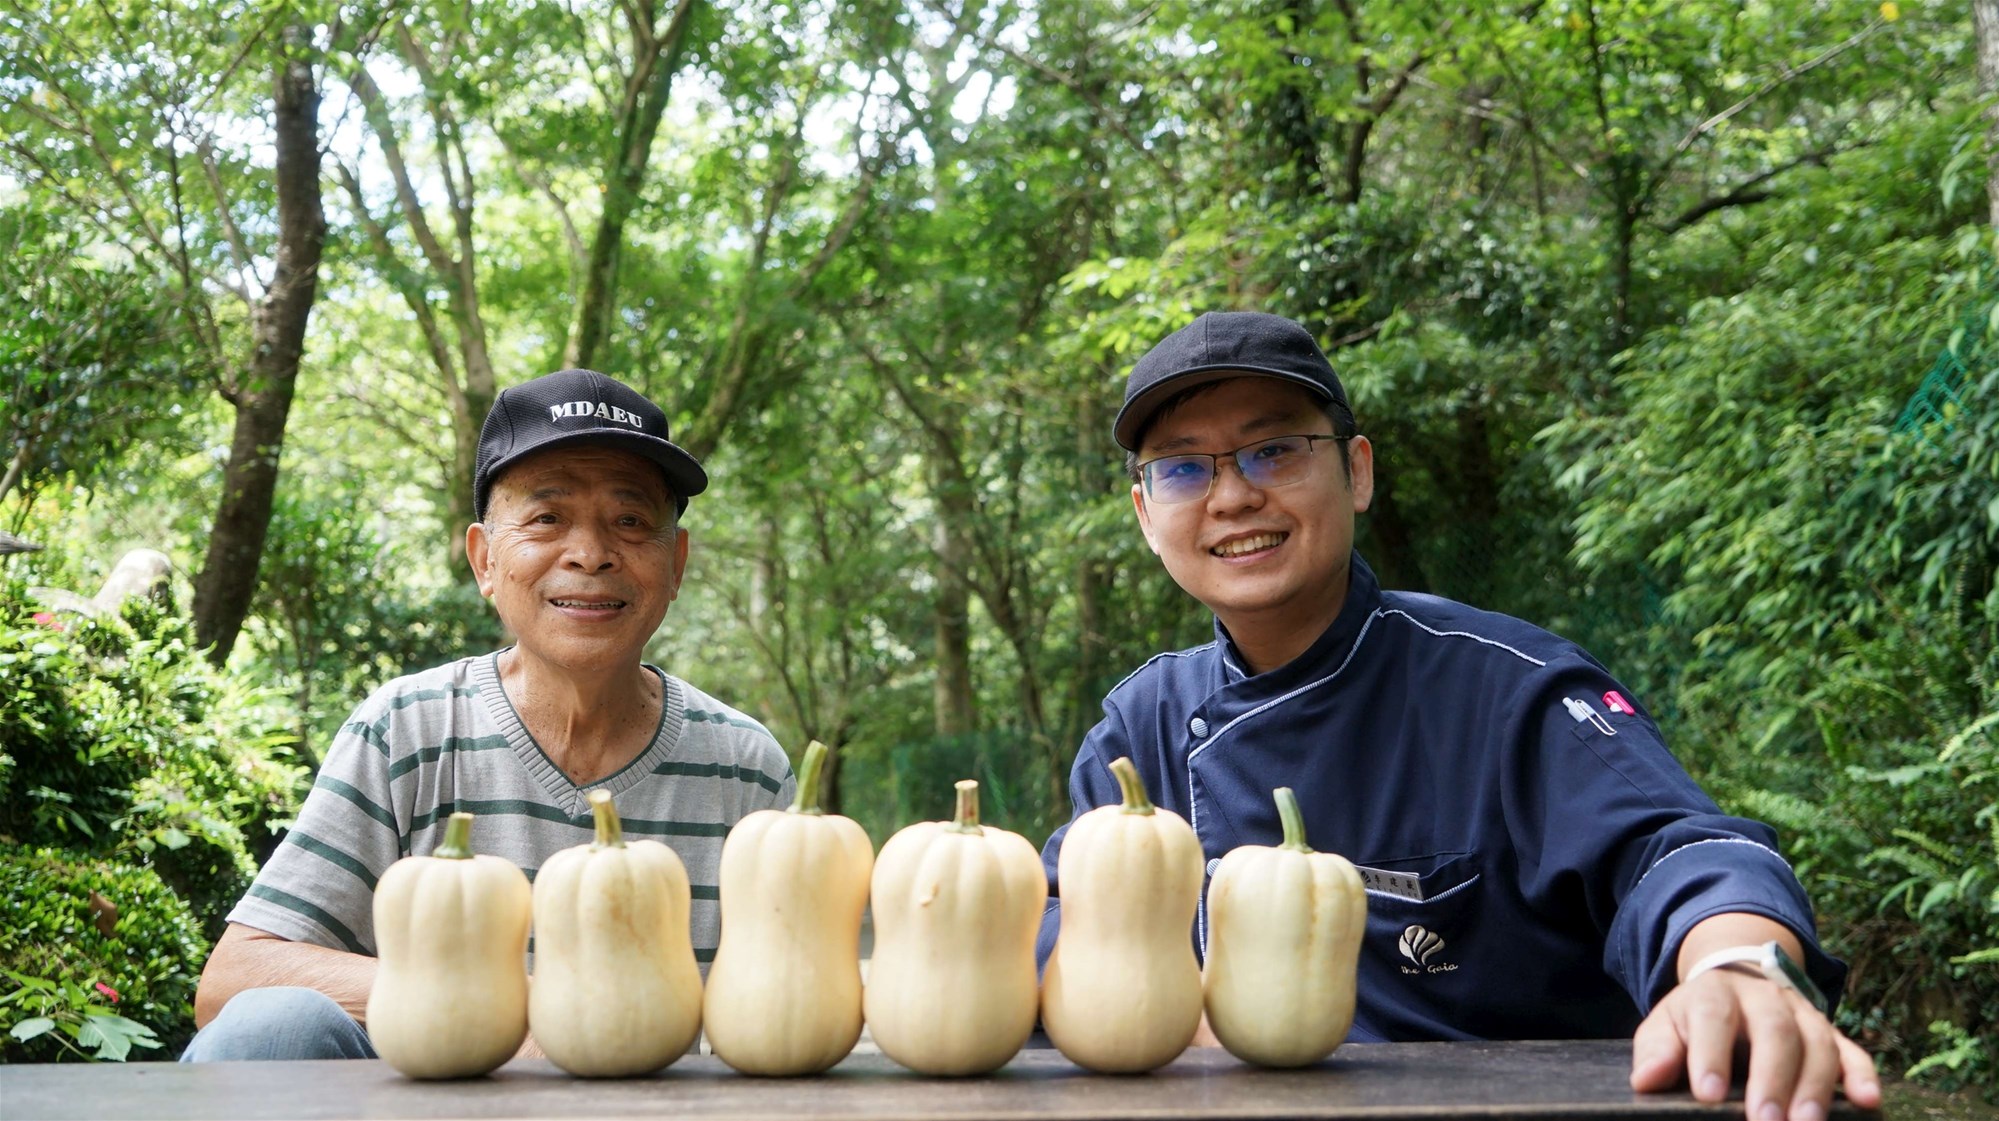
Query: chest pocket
(1419, 906)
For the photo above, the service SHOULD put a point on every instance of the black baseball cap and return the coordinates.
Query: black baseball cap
(579, 408)
(1221, 345)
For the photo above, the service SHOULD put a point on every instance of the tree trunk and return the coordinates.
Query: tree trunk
(1475, 498)
(1985, 21)
(1092, 583)
(228, 576)
(952, 625)
(645, 101)
(469, 407)
(471, 401)
(1623, 232)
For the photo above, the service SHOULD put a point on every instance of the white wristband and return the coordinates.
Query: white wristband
(1727, 955)
(1771, 961)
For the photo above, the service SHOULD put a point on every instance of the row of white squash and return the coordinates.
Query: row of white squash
(951, 987)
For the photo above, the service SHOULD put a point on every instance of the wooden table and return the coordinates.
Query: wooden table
(1403, 1081)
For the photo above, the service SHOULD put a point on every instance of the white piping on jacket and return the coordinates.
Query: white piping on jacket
(1716, 841)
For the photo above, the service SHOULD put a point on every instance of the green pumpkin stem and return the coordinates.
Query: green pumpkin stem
(1294, 821)
(1135, 801)
(966, 820)
(809, 771)
(610, 831)
(457, 843)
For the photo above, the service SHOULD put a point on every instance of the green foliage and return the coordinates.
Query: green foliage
(67, 1010)
(1628, 294)
(337, 614)
(90, 361)
(129, 768)
(73, 990)
(120, 740)
(1829, 645)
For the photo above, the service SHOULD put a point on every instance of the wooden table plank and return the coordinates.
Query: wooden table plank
(1400, 1081)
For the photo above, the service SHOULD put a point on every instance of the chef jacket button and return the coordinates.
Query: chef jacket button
(1198, 727)
(1213, 864)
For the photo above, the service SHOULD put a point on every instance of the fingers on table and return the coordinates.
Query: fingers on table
(1658, 1053)
(1793, 1061)
(1715, 1017)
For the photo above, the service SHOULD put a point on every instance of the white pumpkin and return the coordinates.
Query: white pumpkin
(784, 990)
(1284, 932)
(957, 905)
(450, 998)
(616, 990)
(1122, 992)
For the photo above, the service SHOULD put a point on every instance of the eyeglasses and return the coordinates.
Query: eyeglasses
(1277, 462)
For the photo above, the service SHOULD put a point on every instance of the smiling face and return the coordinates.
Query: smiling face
(1272, 564)
(581, 554)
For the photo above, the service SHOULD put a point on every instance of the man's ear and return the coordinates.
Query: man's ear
(1144, 517)
(1360, 472)
(479, 554)
(679, 563)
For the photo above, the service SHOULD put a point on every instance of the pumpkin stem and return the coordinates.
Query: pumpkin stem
(1294, 821)
(610, 831)
(967, 817)
(457, 843)
(809, 771)
(1135, 801)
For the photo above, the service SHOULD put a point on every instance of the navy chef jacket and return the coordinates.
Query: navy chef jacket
(1533, 853)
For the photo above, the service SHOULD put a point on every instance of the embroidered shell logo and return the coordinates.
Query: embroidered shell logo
(1418, 944)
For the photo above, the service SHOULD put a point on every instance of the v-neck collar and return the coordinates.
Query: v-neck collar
(573, 799)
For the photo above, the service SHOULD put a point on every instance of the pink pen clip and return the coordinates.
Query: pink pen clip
(1615, 702)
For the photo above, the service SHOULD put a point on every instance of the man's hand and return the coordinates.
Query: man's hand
(1796, 1056)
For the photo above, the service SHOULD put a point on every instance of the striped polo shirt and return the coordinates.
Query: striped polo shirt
(448, 739)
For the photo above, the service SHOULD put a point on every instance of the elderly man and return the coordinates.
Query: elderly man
(579, 494)
(1537, 863)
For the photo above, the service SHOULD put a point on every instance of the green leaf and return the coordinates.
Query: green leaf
(1937, 896)
(30, 1028)
(114, 1036)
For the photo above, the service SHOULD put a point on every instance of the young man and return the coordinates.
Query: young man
(579, 494)
(1538, 865)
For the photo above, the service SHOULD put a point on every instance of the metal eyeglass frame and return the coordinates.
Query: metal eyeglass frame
(1215, 465)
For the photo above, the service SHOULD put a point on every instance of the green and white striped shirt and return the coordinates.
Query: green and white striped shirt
(448, 739)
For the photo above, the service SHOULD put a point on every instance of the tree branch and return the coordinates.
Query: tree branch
(239, 250)
(376, 108)
(1749, 191)
(1788, 74)
(579, 254)
(399, 276)
(990, 41)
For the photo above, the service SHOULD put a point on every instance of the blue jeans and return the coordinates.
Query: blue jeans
(279, 1023)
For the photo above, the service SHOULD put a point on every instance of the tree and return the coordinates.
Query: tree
(484, 77)
(90, 356)
(83, 137)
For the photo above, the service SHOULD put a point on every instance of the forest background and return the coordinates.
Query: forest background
(1674, 323)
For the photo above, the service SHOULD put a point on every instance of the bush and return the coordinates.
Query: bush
(131, 768)
(57, 957)
(119, 740)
